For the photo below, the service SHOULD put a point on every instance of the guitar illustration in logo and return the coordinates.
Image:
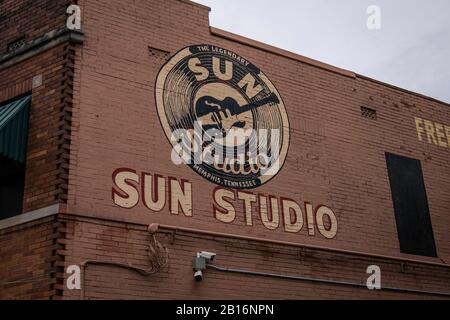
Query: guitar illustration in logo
(224, 114)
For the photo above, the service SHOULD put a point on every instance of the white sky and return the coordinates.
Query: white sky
(412, 49)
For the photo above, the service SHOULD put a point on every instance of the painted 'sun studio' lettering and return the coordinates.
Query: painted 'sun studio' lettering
(155, 192)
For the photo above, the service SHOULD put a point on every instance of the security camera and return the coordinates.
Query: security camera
(209, 256)
(198, 275)
(200, 263)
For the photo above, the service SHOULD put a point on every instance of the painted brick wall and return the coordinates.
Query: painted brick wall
(336, 157)
(92, 239)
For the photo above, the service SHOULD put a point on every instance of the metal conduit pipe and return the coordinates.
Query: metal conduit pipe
(324, 281)
(85, 264)
(175, 229)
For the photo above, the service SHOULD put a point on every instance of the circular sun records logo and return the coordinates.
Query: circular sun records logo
(223, 116)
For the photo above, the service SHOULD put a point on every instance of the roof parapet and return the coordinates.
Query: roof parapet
(281, 52)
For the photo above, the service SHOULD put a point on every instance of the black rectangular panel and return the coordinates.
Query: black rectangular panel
(12, 182)
(412, 213)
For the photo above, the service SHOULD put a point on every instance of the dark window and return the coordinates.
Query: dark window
(412, 214)
(12, 178)
(13, 148)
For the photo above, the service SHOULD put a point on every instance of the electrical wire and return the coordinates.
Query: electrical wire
(158, 256)
(325, 281)
(28, 280)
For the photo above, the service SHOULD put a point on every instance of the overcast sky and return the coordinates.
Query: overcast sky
(411, 50)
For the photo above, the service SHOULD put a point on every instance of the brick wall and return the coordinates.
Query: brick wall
(49, 126)
(29, 19)
(29, 251)
(108, 120)
(127, 244)
(336, 157)
(50, 116)
(28, 260)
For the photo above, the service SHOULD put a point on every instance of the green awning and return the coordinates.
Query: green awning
(14, 129)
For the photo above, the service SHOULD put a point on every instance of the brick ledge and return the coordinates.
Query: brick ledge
(47, 41)
(30, 216)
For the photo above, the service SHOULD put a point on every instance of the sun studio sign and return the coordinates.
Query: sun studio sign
(222, 116)
(226, 120)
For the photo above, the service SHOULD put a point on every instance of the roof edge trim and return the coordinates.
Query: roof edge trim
(281, 52)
